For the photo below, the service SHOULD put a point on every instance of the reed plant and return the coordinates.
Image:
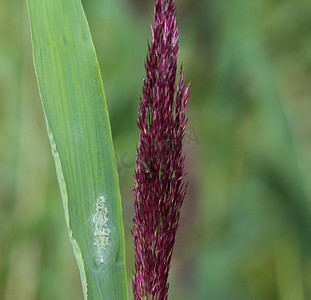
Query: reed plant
(79, 131)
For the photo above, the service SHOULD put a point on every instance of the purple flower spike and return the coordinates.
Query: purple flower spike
(159, 191)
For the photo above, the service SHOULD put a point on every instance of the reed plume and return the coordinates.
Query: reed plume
(159, 191)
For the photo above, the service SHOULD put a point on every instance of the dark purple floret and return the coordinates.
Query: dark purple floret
(159, 191)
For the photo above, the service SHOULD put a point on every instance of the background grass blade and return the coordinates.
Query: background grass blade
(79, 131)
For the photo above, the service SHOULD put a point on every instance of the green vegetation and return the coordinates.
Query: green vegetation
(79, 131)
(245, 225)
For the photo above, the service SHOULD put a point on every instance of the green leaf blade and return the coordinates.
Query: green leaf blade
(79, 131)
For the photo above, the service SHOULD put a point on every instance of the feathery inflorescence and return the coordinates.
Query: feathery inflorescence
(159, 191)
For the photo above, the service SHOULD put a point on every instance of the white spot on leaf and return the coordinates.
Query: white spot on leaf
(101, 232)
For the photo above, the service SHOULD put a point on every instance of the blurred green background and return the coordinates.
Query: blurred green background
(245, 230)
